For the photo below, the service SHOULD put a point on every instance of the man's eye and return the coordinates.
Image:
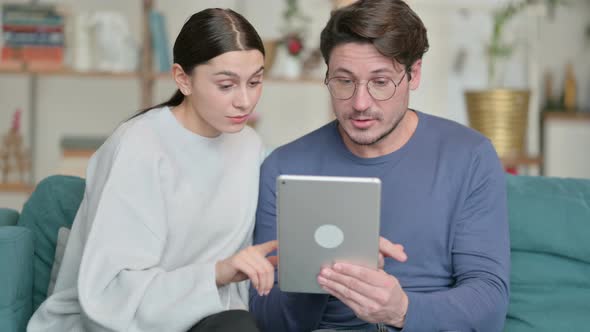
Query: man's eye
(344, 81)
(381, 82)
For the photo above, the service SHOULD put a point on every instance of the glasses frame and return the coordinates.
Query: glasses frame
(357, 83)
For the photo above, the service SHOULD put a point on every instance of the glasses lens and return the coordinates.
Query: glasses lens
(341, 88)
(381, 88)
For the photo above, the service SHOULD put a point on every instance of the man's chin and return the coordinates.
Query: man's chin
(362, 137)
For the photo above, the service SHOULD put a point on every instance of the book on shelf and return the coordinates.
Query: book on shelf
(76, 153)
(159, 38)
(32, 33)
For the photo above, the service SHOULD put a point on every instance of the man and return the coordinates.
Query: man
(443, 193)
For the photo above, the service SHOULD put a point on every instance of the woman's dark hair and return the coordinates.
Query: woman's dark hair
(389, 25)
(207, 34)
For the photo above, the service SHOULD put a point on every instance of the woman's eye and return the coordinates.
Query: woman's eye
(254, 83)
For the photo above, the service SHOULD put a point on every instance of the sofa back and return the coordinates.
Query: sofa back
(549, 229)
(52, 205)
(550, 254)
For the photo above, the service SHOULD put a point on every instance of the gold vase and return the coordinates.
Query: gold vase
(502, 116)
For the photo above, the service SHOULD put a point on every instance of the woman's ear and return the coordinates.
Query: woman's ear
(183, 81)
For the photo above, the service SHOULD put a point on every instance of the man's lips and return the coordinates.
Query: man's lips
(362, 123)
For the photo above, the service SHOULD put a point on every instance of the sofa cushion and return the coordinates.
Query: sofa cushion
(52, 205)
(16, 277)
(549, 234)
(8, 217)
(60, 248)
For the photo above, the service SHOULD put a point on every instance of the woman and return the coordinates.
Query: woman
(162, 237)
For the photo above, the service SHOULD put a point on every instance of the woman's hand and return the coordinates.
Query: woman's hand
(249, 263)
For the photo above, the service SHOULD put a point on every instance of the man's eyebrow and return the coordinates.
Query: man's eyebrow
(342, 70)
(383, 70)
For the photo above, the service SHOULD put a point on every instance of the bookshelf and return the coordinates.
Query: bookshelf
(68, 72)
(269, 78)
(147, 78)
(145, 75)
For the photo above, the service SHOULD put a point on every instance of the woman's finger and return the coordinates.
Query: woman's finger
(267, 247)
(246, 267)
(265, 272)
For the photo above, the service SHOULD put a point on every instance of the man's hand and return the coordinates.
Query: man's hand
(373, 295)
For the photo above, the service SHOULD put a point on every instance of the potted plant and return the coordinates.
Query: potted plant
(290, 47)
(501, 113)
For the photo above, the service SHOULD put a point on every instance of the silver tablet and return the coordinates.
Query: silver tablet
(322, 220)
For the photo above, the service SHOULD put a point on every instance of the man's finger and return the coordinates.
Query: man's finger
(349, 296)
(389, 249)
(364, 287)
(368, 276)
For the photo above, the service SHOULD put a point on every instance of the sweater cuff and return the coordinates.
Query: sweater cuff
(218, 297)
(413, 315)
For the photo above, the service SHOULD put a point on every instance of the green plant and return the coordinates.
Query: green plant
(498, 49)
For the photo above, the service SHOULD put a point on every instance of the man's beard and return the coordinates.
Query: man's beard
(379, 138)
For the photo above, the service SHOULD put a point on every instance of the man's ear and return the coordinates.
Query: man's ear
(182, 80)
(416, 71)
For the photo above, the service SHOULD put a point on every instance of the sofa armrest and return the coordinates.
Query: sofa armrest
(8, 217)
(16, 278)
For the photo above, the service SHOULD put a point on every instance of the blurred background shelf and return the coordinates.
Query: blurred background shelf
(67, 72)
(16, 188)
(267, 79)
(522, 161)
(567, 115)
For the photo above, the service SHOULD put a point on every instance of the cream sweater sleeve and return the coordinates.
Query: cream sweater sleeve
(120, 284)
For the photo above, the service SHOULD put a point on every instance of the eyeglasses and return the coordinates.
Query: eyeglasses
(380, 88)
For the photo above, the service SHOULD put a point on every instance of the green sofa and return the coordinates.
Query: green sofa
(549, 226)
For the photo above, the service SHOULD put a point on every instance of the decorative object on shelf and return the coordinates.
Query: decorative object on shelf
(101, 41)
(15, 162)
(548, 96)
(502, 116)
(498, 112)
(312, 65)
(270, 50)
(76, 153)
(114, 49)
(160, 45)
(291, 45)
(569, 89)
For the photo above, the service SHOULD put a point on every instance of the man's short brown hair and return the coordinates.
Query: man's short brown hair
(389, 25)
